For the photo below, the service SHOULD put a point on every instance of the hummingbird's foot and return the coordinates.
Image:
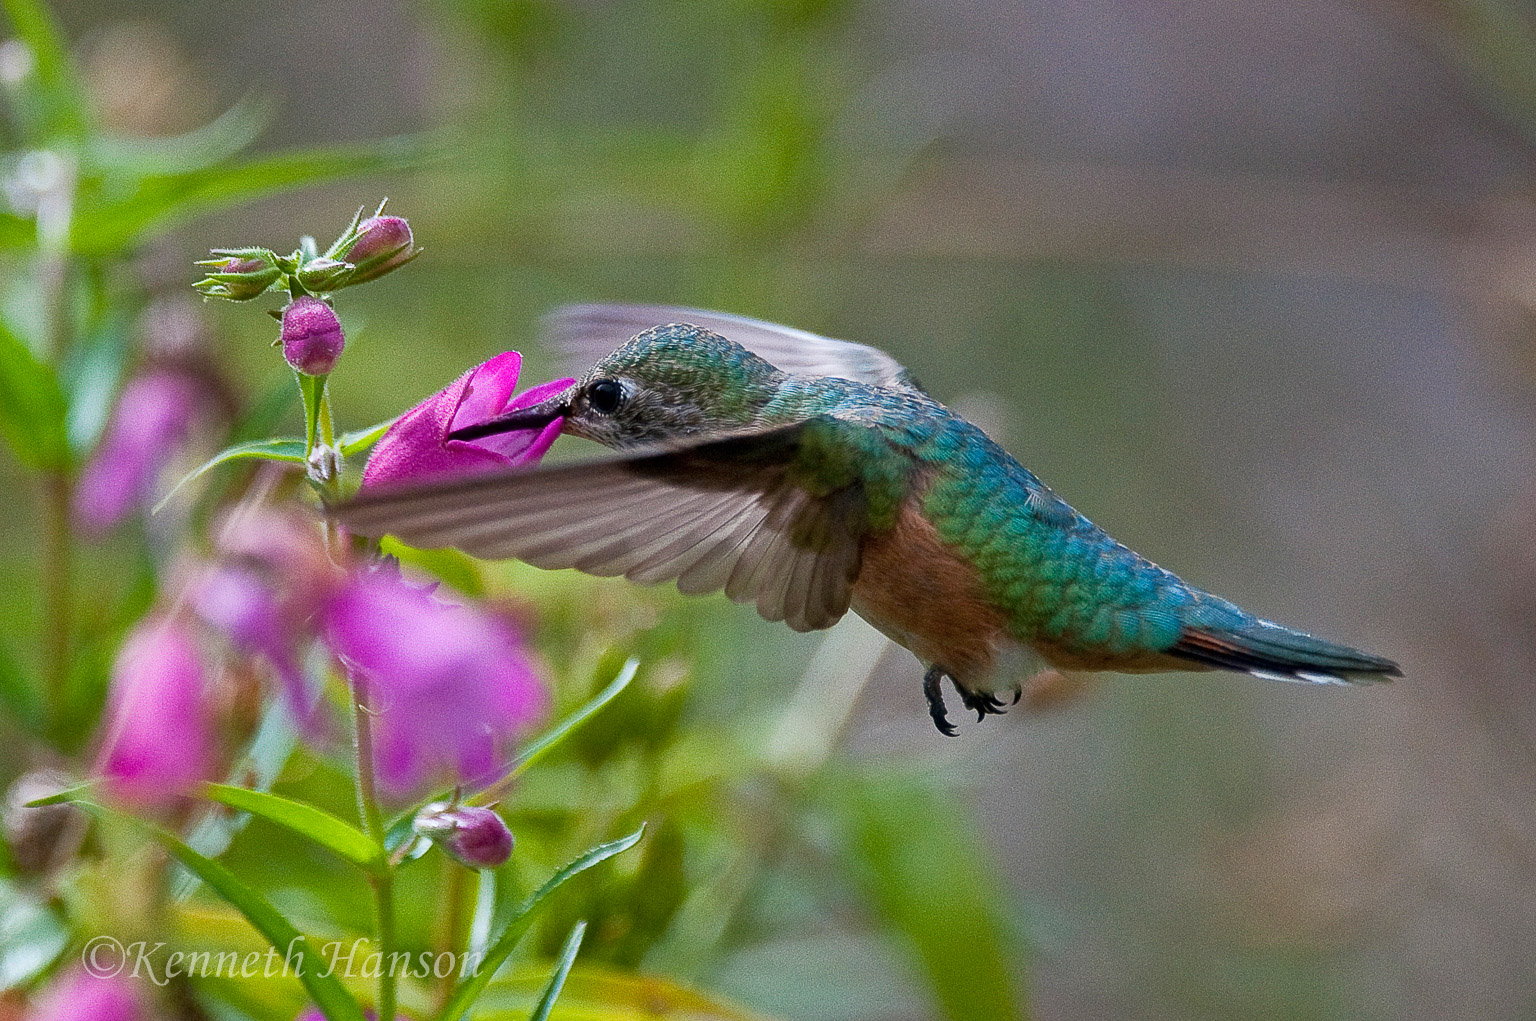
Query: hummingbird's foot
(935, 695)
(982, 703)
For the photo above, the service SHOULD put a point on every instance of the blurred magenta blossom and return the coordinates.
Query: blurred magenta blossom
(311, 336)
(79, 996)
(451, 685)
(159, 741)
(417, 446)
(153, 418)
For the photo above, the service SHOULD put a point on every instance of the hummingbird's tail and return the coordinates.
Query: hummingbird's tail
(1278, 653)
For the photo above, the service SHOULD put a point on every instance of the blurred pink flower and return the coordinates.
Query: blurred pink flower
(240, 603)
(79, 996)
(417, 446)
(158, 741)
(152, 419)
(451, 685)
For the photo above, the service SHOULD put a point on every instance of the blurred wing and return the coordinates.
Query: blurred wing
(717, 515)
(586, 333)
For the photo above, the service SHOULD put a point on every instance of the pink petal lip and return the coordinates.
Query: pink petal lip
(417, 447)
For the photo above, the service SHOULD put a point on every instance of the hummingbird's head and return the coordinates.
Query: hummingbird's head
(668, 383)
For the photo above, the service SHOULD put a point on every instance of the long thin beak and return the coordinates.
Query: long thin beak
(539, 415)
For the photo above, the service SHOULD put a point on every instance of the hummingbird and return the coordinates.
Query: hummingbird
(813, 476)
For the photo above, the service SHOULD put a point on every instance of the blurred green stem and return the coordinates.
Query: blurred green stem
(373, 819)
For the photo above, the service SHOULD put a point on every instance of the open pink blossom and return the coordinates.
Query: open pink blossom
(417, 447)
(451, 685)
(80, 996)
(159, 741)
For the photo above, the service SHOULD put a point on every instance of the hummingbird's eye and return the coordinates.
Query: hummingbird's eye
(605, 396)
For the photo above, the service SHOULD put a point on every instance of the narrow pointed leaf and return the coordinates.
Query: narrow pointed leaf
(322, 827)
(465, 992)
(546, 742)
(333, 999)
(361, 439)
(313, 389)
(557, 978)
(159, 203)
(267, 450)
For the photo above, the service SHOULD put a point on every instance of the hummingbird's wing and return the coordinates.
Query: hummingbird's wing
(586, 333)
(723, 514)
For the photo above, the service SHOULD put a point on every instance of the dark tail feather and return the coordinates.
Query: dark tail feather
(1280, 654)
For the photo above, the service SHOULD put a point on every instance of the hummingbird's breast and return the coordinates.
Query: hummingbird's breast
(920, 593)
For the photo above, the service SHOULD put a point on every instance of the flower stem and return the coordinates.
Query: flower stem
(373, 820)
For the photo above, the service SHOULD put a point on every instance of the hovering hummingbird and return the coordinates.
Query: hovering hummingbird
(812, 476)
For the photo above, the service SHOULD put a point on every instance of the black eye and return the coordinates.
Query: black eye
(605, 396)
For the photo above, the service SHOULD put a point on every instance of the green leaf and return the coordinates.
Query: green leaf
(267, 450)
(212, 143)
(592, 991)
(74, 794)
(157, 203)
(32, 408)
(313, 389)
(320, 826)
(33, 936)
(361, 439)
(911, 848)
(505, 942)
(19, 692)
(333, 999)
(329, 994)
(557, 978)
(63, 105)
(546, 742)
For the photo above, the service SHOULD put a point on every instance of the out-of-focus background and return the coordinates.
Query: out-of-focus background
(1250, 285)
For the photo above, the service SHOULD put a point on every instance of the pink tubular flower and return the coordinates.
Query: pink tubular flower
(311, 336)
(451, 685)
(417, 446)
(159, 743)
(153, 417)
(80, 996)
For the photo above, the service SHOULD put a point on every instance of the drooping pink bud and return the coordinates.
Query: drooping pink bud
(472, 836)
(384, 244)
(312, 339)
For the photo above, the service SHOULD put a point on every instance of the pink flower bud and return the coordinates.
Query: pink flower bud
(312, 339)
(384, 244)
(472, 836)
(238, 276)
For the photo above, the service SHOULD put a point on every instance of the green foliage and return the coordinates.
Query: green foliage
(31, 406)
(320, 826)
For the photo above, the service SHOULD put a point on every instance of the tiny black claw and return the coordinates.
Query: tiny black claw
(982, 703)
(1018, 693)
(935, 695)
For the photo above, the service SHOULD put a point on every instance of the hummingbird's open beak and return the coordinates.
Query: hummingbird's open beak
(538, 416)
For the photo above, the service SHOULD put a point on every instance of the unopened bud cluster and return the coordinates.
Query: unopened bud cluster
(311, 336)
